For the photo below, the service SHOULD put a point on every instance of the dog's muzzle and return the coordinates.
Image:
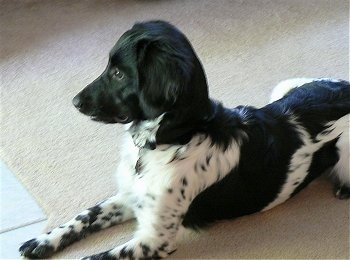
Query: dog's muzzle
(84, 107)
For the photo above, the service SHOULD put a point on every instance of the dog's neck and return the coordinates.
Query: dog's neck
(144, 132)
(170, 127)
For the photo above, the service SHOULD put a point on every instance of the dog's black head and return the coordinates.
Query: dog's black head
(152, 70)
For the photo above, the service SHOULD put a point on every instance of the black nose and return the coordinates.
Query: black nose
(77, 102)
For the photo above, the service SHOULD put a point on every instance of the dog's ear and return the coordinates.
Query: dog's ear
(171, 81)
(164, 72)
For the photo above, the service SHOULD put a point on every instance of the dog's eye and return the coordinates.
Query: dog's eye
(117, 74)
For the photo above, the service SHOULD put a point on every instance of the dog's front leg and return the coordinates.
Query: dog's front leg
(159, 218)
(105, 214)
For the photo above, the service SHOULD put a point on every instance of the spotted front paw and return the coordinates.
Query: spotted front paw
(36, 249)
(133, 250)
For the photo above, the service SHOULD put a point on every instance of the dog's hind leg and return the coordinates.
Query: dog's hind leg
(340, 128)
(341, 170)
(105, 214)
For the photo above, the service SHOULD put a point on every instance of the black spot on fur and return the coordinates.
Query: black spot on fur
(163, 246)
(83, 218)
(138, 166)
(145, 250)
(69, 238)
(104, 256)
(170, 191)
(123, 252)
(183, 193)
(171, 226)
(126, 253)
(91, 216)
(106, 218)
(150, 145)
(155, 255)
(207, 159)
(184, 182)
(176, 156)
(93, 213)
(94, 228)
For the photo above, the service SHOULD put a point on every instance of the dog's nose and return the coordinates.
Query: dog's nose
(77, 102)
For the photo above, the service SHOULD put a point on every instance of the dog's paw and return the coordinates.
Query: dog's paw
(36, 249)
(342, 192)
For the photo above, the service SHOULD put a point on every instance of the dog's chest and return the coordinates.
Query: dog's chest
(182, 170)
(156, 169)
(142, 171)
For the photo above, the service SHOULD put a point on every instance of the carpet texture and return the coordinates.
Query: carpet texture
(51, 49)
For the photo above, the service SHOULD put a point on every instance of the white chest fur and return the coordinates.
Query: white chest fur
(184, 170)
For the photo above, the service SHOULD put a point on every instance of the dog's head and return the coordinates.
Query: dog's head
(152, 70)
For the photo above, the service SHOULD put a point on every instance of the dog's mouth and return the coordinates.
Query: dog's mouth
(121, 119)
(108, 114)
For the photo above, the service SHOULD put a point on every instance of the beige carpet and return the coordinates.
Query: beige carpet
(52, 49)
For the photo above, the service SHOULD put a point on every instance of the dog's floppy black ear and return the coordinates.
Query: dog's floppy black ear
(171, 81)
(164, 72)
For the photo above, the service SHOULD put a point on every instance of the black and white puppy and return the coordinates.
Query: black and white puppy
(188, 161)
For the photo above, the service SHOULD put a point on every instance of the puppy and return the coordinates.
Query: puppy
(187, 160)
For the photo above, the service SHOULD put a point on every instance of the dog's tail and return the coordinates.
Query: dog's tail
(286, 86)
(335, 129)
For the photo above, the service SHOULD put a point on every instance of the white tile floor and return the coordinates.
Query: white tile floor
(20, 219)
